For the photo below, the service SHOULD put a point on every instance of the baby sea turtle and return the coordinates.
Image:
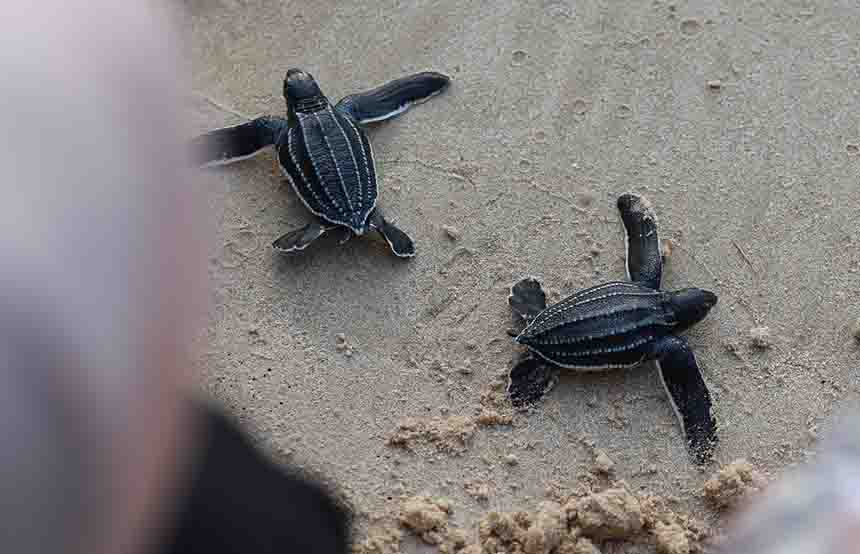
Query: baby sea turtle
(325, 153)
(619, 325)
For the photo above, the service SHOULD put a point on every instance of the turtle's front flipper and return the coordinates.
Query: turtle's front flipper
(527, 298)
(644, 260)
(689, 396)
(300, 239)
(233, 144)
(529, 381)
(393, 98)
(400, 243)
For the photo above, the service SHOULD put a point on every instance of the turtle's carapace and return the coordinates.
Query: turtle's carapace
(619, 325)
(326, 154)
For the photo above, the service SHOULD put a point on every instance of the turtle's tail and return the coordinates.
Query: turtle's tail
(359, 227)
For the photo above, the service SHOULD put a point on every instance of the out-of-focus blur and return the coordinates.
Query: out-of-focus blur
(102, 284)
(101, 276)
(814, 510)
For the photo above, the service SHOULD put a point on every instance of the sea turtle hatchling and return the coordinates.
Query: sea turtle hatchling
(325, 153)
(619, 325)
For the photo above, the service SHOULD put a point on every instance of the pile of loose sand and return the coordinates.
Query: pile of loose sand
(580, 522)
(734, 484)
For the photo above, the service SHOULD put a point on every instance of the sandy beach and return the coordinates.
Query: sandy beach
(738, 121)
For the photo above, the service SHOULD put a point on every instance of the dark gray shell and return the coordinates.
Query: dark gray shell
(612, 325)
(332, 167)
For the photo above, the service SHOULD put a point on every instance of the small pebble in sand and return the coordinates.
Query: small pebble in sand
(579, 106)
(733, 347)
(603, 464)
(466, 367)
(761, 337)
(340, 342)
(733, 484)
(623, 111)
(452, 232)
(518, 57)
(691, 27)
(715, 84)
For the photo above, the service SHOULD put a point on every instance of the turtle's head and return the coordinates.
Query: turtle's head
(691, 305)
(301, 90)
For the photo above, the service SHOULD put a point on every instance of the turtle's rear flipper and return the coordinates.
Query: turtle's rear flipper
(393, 98)
(298, 240)
(233, 144)
(644, 260)
(527, 298)
(529, 381)
(689, 396)
(400, 243)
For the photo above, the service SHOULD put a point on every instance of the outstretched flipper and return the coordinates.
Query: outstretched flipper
(644, 260)
(233, 144)
(529, 381)
(400, 243)
(527, 298)
(298, 240)
(393, 98)
(689, 396)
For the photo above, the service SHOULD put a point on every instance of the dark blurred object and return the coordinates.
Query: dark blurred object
(240, 501)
